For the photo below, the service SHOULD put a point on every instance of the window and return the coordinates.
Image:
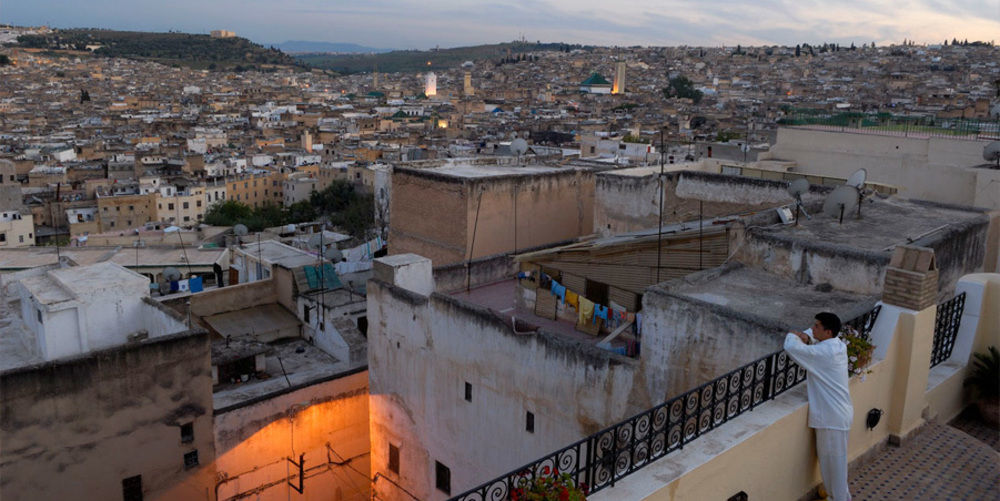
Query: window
(112, 224)
(38, 313)
(131, 207)
(128, 223)
(442, 475)
(468, 392)
(596, 292)
(305, 313)
(186, 205)
(187, 432)
(187, 218)
(170, 206)
(132, 488)
(198, 203)
(191, 459)
(20, 238)
(529, 422)
(394, 459)
(3, 237)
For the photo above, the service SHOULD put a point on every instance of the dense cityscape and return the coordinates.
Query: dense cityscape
(550, 269)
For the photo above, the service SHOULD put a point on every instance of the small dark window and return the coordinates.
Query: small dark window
(132, 488)
(39, 314)
(191, 459)
(529, 422)
(3, 237)
(442, 475)
(394, 459)
(468, 392)
(187, 432)
(170, 206)
(131, 207)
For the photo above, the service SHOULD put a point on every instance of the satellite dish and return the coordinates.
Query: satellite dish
(290, 228)
(171, 274)
(991, 153)
(798, 187)
(519, 146)
(857, 179)
(333, 254)
(842, 201)
(240, 230)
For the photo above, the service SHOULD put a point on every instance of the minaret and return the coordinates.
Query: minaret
(375, 78)
(468, 90)
(619, 84)
(430, 87)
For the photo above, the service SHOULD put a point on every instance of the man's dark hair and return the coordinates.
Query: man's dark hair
(829, 321)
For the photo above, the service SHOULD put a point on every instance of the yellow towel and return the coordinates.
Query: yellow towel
(586, 311)
(572, 299)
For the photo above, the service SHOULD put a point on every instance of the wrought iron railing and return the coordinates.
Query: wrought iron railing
(946, 323)
(598, 461)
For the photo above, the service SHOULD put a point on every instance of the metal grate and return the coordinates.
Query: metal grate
(946, 324)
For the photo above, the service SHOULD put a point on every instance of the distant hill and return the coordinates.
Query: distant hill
(300, 47)
(416, 60)
(180, 49)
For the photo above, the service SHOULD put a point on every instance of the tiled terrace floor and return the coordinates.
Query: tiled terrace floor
(941, 462)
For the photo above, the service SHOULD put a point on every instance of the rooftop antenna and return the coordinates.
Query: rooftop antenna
(843, 200)
(857, 181)
(796, 188)
(519, 147)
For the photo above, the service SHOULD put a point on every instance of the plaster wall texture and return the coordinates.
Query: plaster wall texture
(926, 168)
(422, 351)
(93, 420)
(482, 271)
(455, 218)
(728, 459)
(626, 203)
(18, 232)
(328, 422)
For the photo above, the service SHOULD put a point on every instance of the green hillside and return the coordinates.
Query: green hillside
(181, 49)
(417, 60)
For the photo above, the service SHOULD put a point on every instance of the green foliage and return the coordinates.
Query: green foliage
(195, 51)
(727, 135)
(984, 377)
(629, 138)
(227, 213)
(4, 60)
(682, 87)
(549, 488)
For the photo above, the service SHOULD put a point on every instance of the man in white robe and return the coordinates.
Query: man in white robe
(830, 409)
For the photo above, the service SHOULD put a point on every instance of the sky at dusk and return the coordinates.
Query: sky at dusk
(423, 24)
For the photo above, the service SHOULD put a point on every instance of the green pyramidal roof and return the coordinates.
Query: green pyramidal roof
(596, 79)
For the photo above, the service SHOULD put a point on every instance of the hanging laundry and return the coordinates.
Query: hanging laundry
(586, 311)
(559, 290)
(182, 286)
(195, 284)
(638, 324)
(572, 299)
(600, 312)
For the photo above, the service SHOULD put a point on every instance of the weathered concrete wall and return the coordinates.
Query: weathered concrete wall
(422, 351)
(959, 250)
(450, 219)
(75, 428)
(625, 203)
(927, 168)
(428, 218)
(328, 422)
(482, 271)
(226, 299)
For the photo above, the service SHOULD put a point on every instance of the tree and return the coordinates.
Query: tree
(5, 60)
(682, 87)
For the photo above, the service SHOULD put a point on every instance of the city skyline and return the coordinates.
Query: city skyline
(407, 24)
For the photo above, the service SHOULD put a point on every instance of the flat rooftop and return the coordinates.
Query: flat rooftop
(275, 252)
(884, 224)
(753, 294)
(31, 257)
(470, 171)
(300, 363)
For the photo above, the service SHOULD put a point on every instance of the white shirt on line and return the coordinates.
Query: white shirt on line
(826, 383)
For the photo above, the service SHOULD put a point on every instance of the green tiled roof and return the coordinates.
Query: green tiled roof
(595, 79)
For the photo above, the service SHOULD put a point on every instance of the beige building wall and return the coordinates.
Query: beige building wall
(123, 212)
(452, 219)
(75, 428)
(182, 210)
(928, 168)
(16, 230)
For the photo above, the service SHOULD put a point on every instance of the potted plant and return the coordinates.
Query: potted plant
(859, 352)
(984, 379)
(545, 487)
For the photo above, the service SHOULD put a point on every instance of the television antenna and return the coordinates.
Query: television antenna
(796, 188)
(842, 200)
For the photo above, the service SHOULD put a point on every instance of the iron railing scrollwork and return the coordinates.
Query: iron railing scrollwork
(598, 461)
(946, 324)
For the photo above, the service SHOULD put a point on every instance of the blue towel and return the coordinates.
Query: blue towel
(600, 312)
(559, 291)
(195, 284)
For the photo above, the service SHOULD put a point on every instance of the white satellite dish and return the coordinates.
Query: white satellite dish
(333, 254)
(796, 188)
(857, 179)
(240, 230)
(171, 274)
(841, 201)
(519, 146)
(991, 153)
